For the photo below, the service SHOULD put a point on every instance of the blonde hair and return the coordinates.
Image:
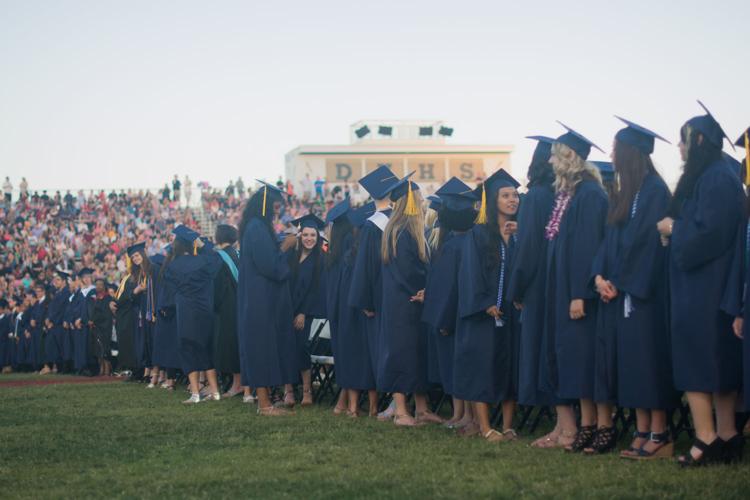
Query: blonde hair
(571, 169)
(400, 222)
(430, 219)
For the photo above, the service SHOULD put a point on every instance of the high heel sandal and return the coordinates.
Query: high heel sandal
(710, 454)
(665, 449)
(733, 449)
(632, 451)
(605, 440)
(583, 439)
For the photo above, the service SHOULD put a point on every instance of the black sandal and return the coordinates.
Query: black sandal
(632, 452)
(605, 440)
(584, 437)
(664, 450)
(733, 449)
(710, 454)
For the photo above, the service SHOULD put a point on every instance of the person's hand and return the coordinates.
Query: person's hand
(444, 332)
(289, 241)
(138, 289)
(664, 227)
(91, 324)
(27, 334)
(33, 323)
(576, 309)
(368, 313)
(510, 228)
(79, 323)
(419, 297)
(65, 325)
(737, 327)
(199, 243)
(518, 305)
(494, 312)
(113, 307)
(607, 291)
(299, 322)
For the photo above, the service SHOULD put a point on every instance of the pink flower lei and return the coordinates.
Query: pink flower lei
(553, 226)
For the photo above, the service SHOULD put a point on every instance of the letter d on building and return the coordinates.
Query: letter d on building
(343, 171)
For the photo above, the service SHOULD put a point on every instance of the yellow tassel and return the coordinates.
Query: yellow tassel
(128, 264)
(195, 247)
(265, 191)
(411, 204)
(747, 159)
(482, 215)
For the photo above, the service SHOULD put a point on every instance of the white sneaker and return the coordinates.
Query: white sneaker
(248, 399)
(213, 397)
(193, 399)
(150, 386)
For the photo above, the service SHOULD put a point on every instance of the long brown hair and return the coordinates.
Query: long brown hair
(400, 222)
(631, 167)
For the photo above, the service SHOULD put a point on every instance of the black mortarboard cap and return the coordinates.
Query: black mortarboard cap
(401, 188)
(710, 128)
(309, 220)
(741, 141)
(543, 148)
(359, 215)
(577, 142)
(86, 271)
(606, 169)
(338, 210)
(435, 202)
(138, 247)
(378, 181)
(637, 136)
(185, 234)
(456, 195)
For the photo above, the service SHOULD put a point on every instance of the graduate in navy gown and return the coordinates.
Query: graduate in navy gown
(191, 267)
(79, 327)
(742, 327)
(144, 301)
(527, 280)
(24, 359)
(37, 326)
(488, 329)
(53, 322)
(402, 351)
(354, 371)
(630, 276)
(704, 231)
(366, 287)
(226, 348)
(574, 232)
(100, 326)
(65, 344)
(166, 354)
(307, 286)
(264, 303)
(125, 307)
(6, 337)
(456, 216)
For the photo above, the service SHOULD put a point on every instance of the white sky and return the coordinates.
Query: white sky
(105, 93)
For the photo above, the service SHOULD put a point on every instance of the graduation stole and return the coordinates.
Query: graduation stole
(562, 199)
(147, 283)
(628, 302)
(501, 279)
(121, 288)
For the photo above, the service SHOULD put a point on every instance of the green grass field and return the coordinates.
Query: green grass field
(121, 440)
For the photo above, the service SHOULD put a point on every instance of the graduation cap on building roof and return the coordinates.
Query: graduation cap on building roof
(637, 136)
(359, 215)
(377, 182)
(339, 209)
(577, 142)
(710, 128)
(311, 221)
(402, 188)
(498, 180)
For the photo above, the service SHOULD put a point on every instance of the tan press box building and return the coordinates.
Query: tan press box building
(403, 145)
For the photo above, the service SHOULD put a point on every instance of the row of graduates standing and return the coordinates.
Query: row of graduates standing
(65, 327)
(619, 297)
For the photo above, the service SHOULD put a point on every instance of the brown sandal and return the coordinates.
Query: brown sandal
(493, 436)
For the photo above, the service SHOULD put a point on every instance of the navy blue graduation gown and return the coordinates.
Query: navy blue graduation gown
(125, 324)
(37, 313)
(264, 311)
(441, 305)
(402, 351)
(526, 286)
(166, 341)
(144, 325)
(226, 350)
(348, 328)
(5, 341)
(25, 349)
(80, 336)
(367, 285)
(54, 341)
(486, 355)
(306, 299)
(605, 347)
(192, 276)
(706, 355)
(568, 367)
(637, 268)
(71, 311)
(742, 293)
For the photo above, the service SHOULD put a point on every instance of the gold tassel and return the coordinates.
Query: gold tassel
(128, 264)
(482, 215)
(195, 247)
(411, 204)
(265, 191)
(747, 159)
